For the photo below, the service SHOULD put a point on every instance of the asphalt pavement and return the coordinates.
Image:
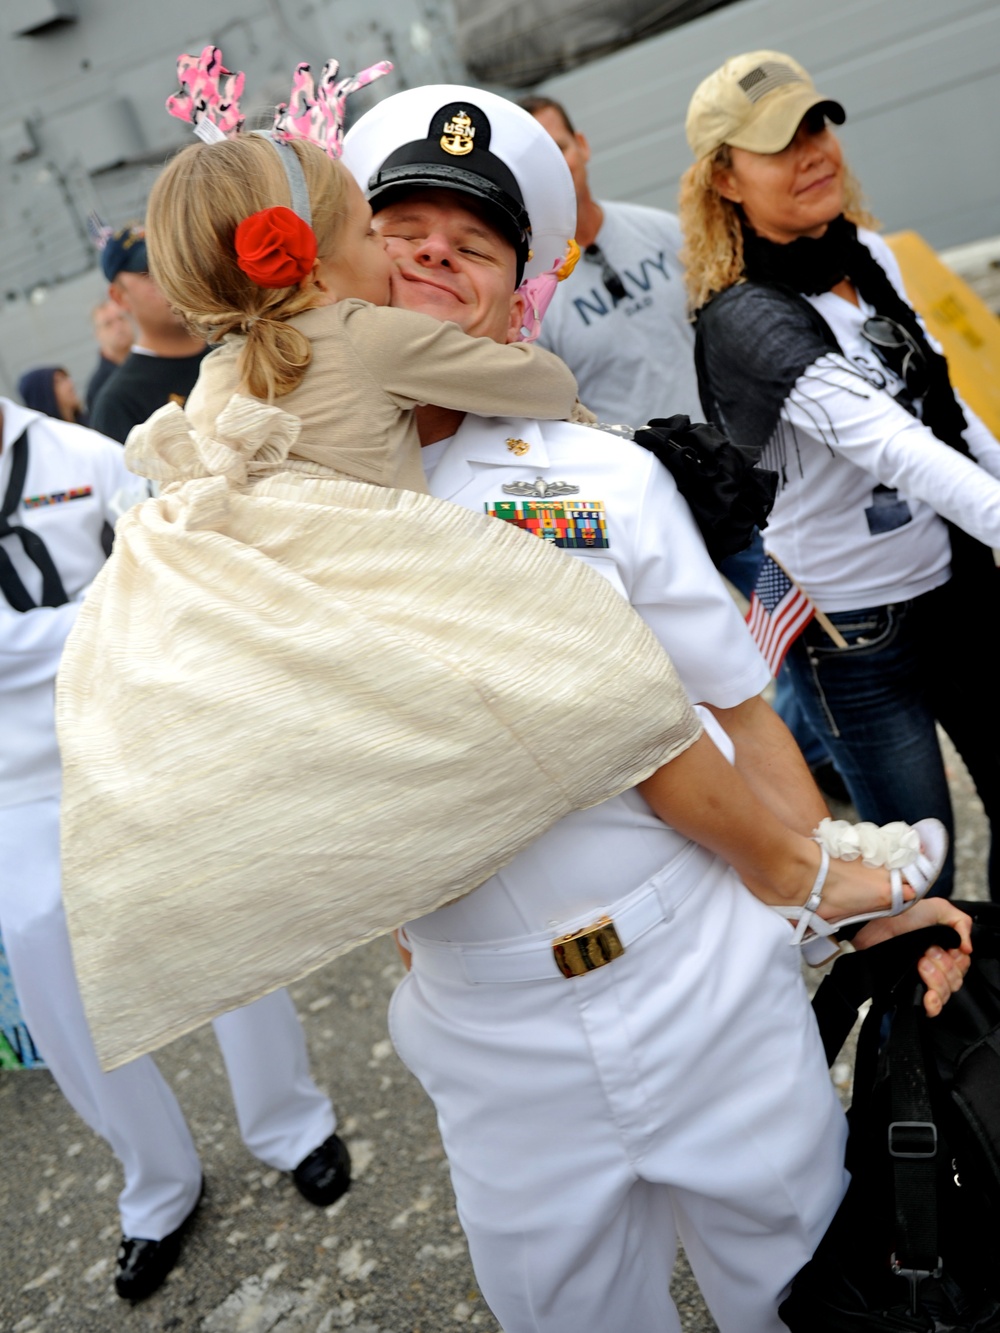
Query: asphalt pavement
(388, 1258)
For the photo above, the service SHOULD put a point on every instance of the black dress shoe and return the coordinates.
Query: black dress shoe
(144, 1264)
(325, 1174)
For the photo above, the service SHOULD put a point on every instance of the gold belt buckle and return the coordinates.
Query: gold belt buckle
(584, 950)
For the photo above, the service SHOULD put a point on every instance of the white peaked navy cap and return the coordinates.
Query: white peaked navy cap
(754, 101)
(476, 143)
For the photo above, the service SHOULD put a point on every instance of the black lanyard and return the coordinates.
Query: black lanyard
(53, 592)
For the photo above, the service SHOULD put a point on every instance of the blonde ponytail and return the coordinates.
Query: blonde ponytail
(274, 358)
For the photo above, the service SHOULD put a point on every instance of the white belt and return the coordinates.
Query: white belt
(542, 958)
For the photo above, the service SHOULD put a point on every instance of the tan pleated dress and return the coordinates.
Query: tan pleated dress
(297, 711)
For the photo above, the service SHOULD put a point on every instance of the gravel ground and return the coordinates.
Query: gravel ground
(388, 1258)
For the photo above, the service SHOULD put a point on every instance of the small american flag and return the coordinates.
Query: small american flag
(779, 612)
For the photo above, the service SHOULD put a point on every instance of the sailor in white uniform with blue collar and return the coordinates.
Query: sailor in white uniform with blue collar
(615, 1034)
(60, 484)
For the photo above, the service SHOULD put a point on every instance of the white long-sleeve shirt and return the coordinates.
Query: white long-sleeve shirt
(836, 525)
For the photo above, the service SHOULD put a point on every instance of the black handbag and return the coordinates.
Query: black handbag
(913, 1247)
(728, 495)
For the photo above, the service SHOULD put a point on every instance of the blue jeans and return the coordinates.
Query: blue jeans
(875, 703)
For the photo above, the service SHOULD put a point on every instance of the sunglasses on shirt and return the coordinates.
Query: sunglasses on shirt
(613, 284)
(899, 351)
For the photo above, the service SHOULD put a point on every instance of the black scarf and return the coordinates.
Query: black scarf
(811, 266)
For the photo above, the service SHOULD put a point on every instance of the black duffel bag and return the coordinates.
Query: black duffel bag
(728, 495)
(915, 1244)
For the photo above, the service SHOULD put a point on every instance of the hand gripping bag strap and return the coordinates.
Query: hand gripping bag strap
(895, 1203)
(17, 595)
(856, 977)
(912, 1135)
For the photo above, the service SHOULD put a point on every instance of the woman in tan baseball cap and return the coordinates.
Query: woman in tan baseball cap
(889, 500)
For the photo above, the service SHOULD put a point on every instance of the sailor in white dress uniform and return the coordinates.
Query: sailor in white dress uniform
(614, 1032)
(73, 484)
(680, 1089)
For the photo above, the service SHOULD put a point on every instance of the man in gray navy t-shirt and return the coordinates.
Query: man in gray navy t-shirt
(620, 321)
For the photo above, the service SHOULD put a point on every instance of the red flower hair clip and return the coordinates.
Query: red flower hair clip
(275, 248)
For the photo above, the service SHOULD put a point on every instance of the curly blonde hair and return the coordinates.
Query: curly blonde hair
(194, 209)
(713, 238)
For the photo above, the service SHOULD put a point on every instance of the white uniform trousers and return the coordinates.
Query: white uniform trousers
(681, 1088)
(282, 1115)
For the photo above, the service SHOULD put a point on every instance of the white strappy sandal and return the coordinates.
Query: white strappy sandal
(877, 847)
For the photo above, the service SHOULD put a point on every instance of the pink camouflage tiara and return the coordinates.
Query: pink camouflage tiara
(209, 98)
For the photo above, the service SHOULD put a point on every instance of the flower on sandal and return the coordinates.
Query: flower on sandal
(892, 845)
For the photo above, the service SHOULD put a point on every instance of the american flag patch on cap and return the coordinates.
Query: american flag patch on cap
(767, 76)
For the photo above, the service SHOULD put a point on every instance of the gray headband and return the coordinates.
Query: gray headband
(293, 170)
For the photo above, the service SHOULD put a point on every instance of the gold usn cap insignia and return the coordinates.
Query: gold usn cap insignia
(518, 447)
(458, 136)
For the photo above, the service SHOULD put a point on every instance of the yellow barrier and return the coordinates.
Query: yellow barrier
(964, 325)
